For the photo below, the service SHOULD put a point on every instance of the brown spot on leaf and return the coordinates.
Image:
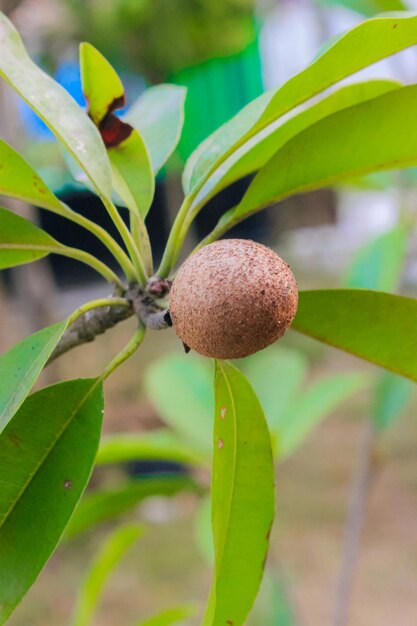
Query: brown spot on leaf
(113, 130)
(67, 484)
(220, 444)
(223, 411)
(14, 440)
(230, 622)
(394, 26)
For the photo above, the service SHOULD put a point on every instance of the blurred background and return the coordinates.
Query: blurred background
(348, 433)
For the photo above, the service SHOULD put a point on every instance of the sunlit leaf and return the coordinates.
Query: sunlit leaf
(19, 180)
(23, 242)
(109, 556)
(106, 504)
(376, 326)
(55, 107)
(21, 366)
(158, 115)
(253, 155)
(171, 616)
(46, 456)
(242, 498)
(312, 407)
(156, 444)
(363, 45)
(181, 390)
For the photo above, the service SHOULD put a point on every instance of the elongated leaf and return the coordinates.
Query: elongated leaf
(365, 44)
(158, 115)
(392, 395)
(171, 616)
(378, 265)
(55, 107)
(375, 326)
(131, 166)
(253, 155)
(22, 242)
(100, 506)
(314, 405)
(242, 498)
(46, 456)
(180, 389)
(375, 135)
(19, 180)
(110, 554)
(21, 366)
(276, 376)
(159, 444)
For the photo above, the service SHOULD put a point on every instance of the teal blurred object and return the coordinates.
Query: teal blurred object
(216, 90)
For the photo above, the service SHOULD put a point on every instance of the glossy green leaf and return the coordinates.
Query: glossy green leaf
(375, 326)
(374, 135)
(242, 498)
(378, 264)
(312, 407)
(106, 504)
(55, 107)
(253, 155)
(102, 87)
(171, 616)
(47, 453)
(276, 375)
(156, 444)
(109, 556)
(363, 45)
(22, 242)
(19, 180)
(133, 178)
(21, 366)
(158, 115)
(392, 395)
(181, 390)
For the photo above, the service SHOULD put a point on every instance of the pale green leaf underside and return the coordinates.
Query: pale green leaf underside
(46, 456)
(365, 44)
(171, 616)
(55, 107)
(376, 326)
(21, 366)
(242, 498)
(158, 114)
(109, 556)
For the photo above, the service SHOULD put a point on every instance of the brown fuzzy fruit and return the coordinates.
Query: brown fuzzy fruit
(233, 298)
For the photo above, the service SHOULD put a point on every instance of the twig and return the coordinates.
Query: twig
(354, 524)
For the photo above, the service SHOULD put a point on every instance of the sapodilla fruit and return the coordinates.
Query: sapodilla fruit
(232, 298)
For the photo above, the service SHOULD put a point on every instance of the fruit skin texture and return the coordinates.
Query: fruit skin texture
(233, 298)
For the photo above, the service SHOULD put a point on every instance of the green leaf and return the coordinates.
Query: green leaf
(106, 504)
(392, 395)
(365, 44)
(158, 114)
(375, 135)
(110, 554)
(156, 444)
(133, 178)
(21, 366)
(19, 180)
(171, 616)
(47, 453)
(378, 264)
(253, 155)
(276, 376)
(312, 407)
(375, 326)
(181, 391)
(242, 498)
(102, 87)
(55, 107)
(23, 242)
